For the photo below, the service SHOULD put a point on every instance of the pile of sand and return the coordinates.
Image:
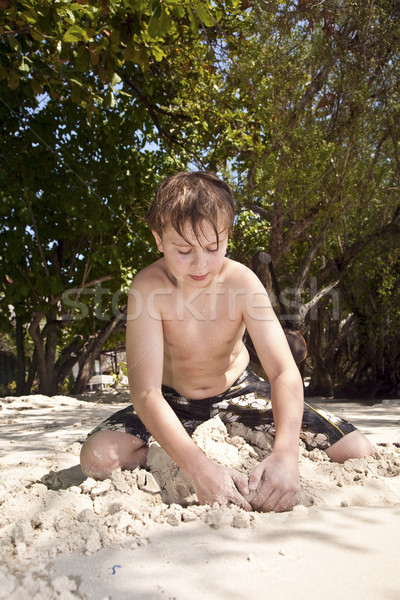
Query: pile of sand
(49, 508)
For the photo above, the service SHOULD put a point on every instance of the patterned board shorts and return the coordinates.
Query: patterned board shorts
(247, 401)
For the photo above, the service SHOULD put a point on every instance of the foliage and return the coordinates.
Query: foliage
(83, 94)
(76, 49)
(306, 113)
(294, 103)
(69, 222)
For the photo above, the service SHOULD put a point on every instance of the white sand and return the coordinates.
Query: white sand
(141, 535)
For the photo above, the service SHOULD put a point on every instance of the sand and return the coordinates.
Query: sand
(142, 534)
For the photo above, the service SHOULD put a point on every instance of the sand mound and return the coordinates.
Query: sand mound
(53, 509)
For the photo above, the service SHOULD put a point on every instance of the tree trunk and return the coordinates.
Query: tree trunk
(50, 335)
(37, 337)
(19, 334)
(92, 350)
(321, 381)
(45, 342)
(31, 374)
(67, 359)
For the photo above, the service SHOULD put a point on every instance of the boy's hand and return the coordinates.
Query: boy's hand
(276, 483)
(224, 485)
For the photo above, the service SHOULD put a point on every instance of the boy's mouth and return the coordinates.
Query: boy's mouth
(198, 277)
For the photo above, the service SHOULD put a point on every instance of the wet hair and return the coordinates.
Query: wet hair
(192, 199)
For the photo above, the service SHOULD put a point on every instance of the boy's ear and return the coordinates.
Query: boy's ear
(158, 240)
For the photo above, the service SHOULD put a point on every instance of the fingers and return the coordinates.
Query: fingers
(242, 503)
(276, 501)
(229, 488)
(255, 479)
(276, 487)
(242, 483)
(287, 502)
(241, 490)
(264, 500)
(260, 493)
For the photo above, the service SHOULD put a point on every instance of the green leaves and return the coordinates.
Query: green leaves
(295, 114)
(160, 21)
(95, 39)
(203, 12)
(13, 80)
(109, 100)
(75, 34)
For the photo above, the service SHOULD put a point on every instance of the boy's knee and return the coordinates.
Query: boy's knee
(352, 445)
(97, 457)
(105, 451)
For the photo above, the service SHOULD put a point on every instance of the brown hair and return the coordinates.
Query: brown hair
(191, 198)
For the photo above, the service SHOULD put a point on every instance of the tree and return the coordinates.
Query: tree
(309, 141)
(84, 97)
(294, 103)
(70, 222)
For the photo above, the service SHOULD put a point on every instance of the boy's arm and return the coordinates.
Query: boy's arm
(277, 477)
(145, 350)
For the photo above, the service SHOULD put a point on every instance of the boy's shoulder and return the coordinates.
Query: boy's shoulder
(237, 267)
(241, 272)
(152, 275)
(233, 273)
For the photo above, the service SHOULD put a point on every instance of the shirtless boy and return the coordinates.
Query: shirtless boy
(187, 314)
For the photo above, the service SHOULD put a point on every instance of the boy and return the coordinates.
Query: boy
(187, 314)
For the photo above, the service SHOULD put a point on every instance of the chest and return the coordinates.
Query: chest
(200, 321)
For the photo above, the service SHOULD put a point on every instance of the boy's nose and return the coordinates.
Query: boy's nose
(199, 259)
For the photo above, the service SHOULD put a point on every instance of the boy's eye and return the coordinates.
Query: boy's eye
(186, 252)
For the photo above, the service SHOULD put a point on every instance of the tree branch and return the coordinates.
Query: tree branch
(304, 309)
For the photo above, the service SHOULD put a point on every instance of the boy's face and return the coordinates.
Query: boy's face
(198, 262)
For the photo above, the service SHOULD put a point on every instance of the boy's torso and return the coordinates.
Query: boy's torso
(203, 331)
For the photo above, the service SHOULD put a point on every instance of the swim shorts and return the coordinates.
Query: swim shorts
(247, 401)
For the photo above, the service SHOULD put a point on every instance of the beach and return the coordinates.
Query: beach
(142, 534)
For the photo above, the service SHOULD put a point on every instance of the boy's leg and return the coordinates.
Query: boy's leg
(337, 437)
(121, 441)
(248, 402)
(352, 445)
(105, 451)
